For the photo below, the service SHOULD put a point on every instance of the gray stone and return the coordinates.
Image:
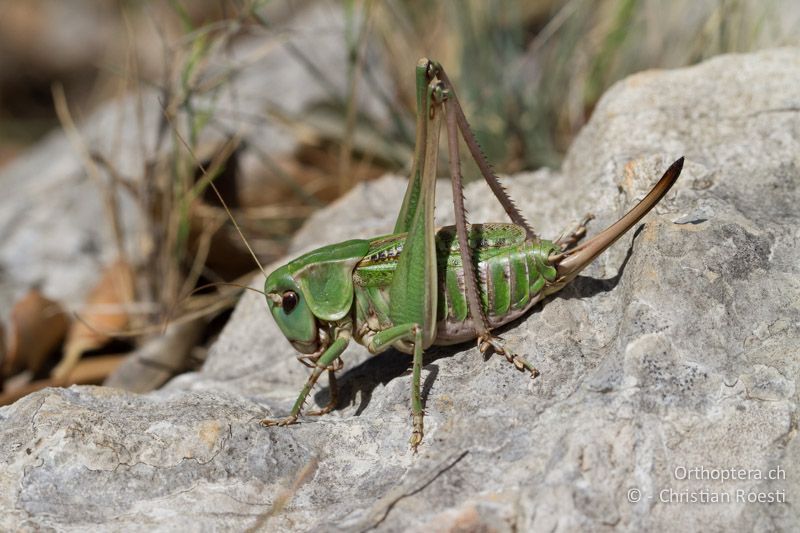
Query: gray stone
(670, 362)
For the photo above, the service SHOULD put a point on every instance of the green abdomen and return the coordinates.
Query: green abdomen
(511, 275)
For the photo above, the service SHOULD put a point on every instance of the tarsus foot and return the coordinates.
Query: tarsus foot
(416, 435)
(487, 341)
(286, 421)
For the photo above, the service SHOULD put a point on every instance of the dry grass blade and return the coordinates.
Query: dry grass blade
(346, 150)
(108, 191)
(3, 354)
(228, 149)
(283, 497)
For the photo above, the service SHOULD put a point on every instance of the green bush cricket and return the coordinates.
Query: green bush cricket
(420, 286)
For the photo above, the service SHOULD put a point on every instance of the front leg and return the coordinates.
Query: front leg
(412, 333)
(323, 363)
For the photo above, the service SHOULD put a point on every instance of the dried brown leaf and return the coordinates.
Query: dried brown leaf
(38, 326)
(12, 394)
(104, 313)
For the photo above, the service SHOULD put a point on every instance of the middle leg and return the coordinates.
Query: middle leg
(333, 389)
(412, 333)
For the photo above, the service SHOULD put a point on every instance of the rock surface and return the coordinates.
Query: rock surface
(671, 361)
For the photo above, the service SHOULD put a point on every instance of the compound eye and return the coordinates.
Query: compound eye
(289, 301)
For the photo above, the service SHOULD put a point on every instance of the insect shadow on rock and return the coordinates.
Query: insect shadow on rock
(362, 380)
(419, 286)
(587, 286)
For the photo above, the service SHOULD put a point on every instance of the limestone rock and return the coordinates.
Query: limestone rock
(671, 361)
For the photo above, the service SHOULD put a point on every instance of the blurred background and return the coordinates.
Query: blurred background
(116, 116)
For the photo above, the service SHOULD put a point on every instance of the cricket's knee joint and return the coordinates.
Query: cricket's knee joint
(433, 69)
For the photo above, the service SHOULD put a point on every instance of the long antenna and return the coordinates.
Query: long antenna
(232, 142)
